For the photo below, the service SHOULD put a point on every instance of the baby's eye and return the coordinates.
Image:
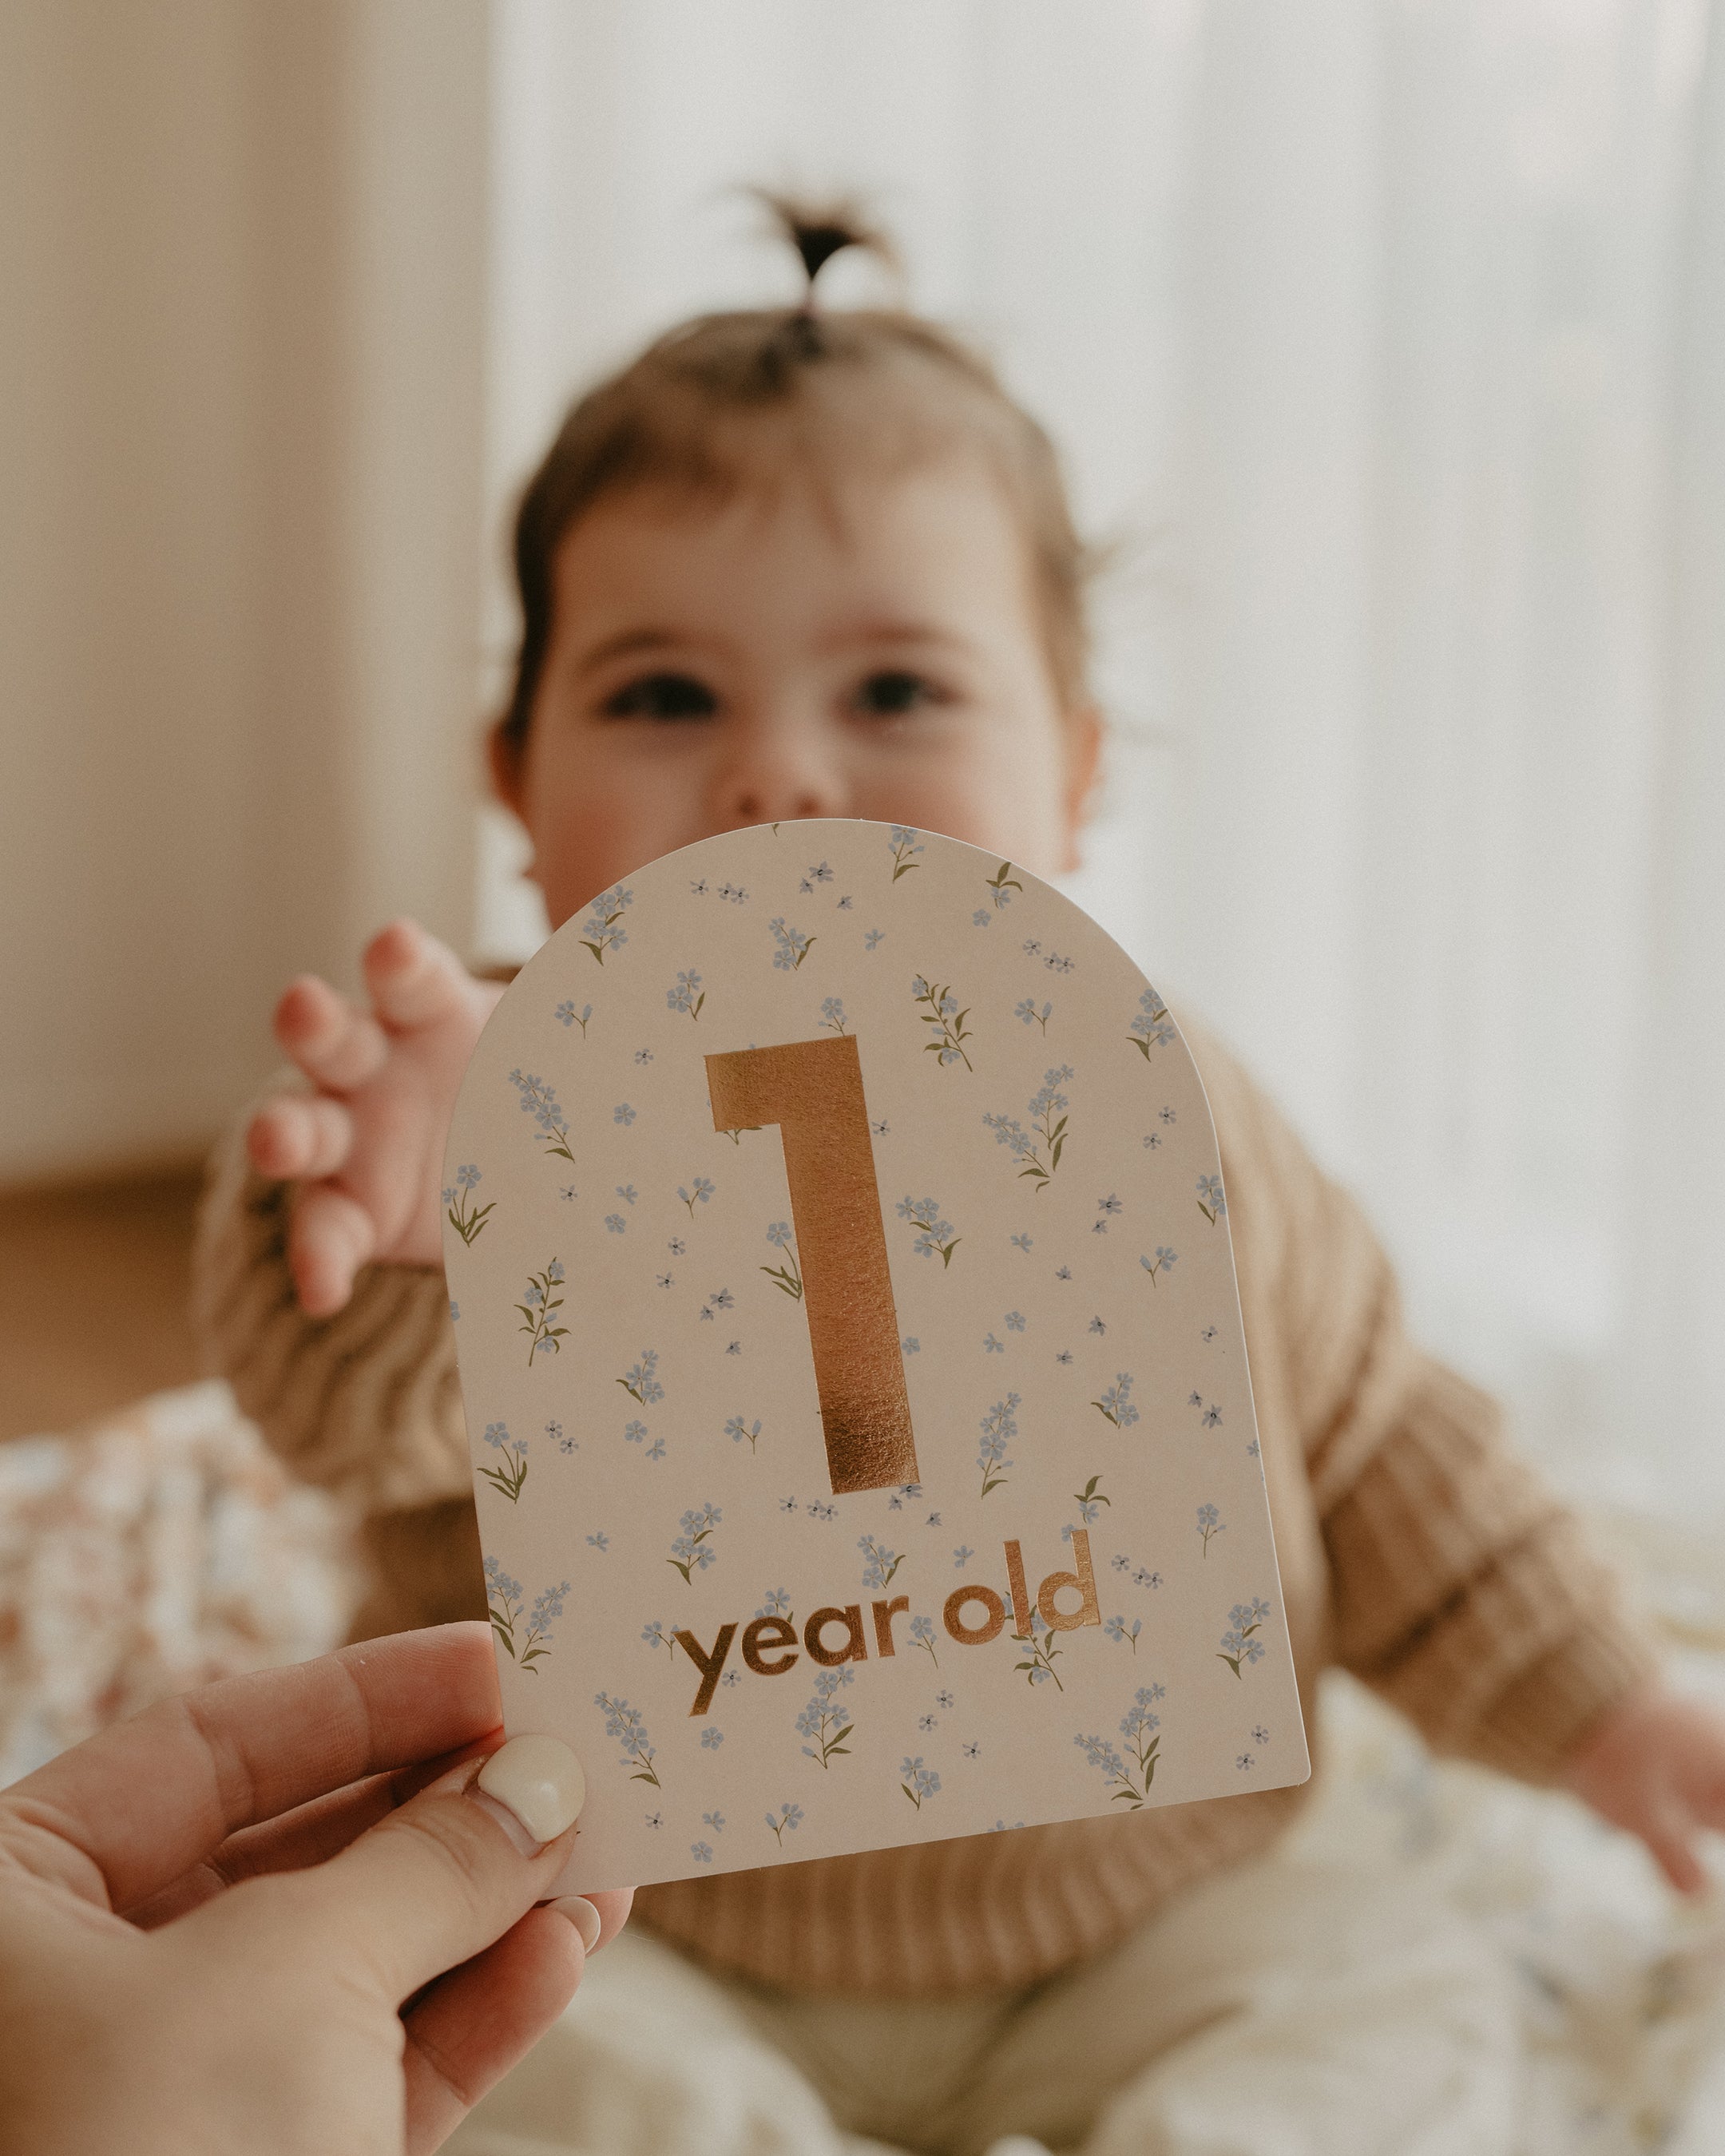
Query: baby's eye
(661, 696)
(893, 691)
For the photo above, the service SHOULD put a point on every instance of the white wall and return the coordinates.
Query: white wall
(242, 291)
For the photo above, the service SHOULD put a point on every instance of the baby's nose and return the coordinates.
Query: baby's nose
(769, 783)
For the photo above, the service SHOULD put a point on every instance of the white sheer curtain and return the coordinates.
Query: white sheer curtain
(1389, 338)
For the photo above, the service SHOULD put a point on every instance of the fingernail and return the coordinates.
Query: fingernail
(539, 1782)
(582, 1915)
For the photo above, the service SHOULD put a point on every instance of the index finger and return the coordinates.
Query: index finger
(129, 1810)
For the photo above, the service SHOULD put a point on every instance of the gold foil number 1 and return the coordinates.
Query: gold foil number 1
(813, 1090)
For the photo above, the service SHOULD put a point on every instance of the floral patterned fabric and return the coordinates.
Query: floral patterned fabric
(160, 1547)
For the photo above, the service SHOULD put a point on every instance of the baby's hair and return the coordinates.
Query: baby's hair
(710, 401)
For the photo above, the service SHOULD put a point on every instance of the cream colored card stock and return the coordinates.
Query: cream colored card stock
(863, 1438)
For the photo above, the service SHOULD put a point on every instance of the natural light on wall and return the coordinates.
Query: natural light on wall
(1386, 347)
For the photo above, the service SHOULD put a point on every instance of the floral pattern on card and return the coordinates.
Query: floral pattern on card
(1074, 1584)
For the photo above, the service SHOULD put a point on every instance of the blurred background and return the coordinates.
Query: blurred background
(1386, 342)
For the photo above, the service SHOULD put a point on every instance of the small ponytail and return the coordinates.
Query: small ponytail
(820, 230)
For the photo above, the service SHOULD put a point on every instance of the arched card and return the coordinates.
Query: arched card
(862, 1432)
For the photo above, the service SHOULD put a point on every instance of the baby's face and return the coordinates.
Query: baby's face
(776, 657)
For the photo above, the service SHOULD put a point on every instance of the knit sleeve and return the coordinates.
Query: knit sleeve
(367, 1403)
(1468, 1594)
(1463, 1590)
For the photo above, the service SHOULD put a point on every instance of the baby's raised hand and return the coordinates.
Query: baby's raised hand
(1656, 1765)
(365, 1147)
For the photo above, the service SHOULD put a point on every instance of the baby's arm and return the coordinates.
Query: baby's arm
(1474, 1599)
(327, 1200)
(1462, 1587)
(1654, 1765)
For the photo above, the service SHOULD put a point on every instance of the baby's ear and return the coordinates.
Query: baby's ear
(1083, 750)
(506, 758)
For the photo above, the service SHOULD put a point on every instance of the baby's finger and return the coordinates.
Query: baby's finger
(474, 2023)
(299, 1136)
(1669, 1834)
(413, 979)
(336, 1046)
(330, 1237)
(442, 1879)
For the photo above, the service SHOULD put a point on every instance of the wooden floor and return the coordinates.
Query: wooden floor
(94, 1282)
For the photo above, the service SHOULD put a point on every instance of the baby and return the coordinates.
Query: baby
(794, 564)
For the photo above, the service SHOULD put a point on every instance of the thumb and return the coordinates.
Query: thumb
(439, 1880)
(1669, 1834)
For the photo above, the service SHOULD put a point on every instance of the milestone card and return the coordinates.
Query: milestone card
(862, 1434)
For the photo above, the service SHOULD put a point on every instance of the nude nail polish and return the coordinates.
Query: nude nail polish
(539, 1780)
(582, 1915)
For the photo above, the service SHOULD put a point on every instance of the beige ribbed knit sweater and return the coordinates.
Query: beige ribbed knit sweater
(1415, 1550)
